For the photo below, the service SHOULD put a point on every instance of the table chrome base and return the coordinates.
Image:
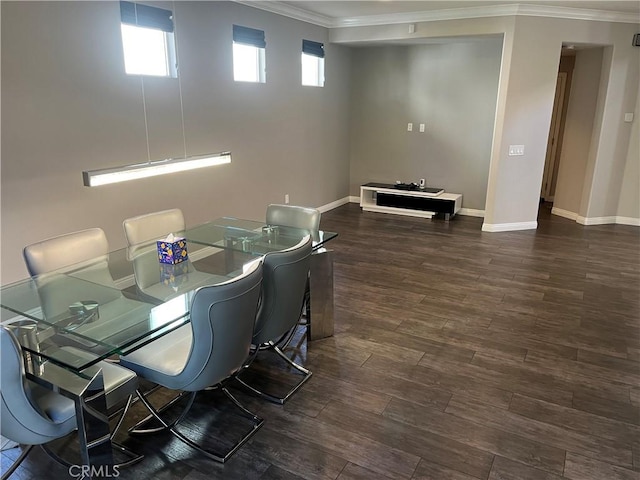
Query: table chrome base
(320, 310)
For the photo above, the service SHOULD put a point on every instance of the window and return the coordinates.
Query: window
(147, 40)
(312, 63)
(248, 55)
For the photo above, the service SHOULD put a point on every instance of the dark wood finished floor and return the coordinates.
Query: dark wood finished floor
(458, 355)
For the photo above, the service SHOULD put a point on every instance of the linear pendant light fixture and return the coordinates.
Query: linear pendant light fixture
(105, 176)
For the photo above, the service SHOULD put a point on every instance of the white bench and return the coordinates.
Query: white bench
(385, 198)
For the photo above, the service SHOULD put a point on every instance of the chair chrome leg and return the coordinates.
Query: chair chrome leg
(260, 393)
(125, 409)
(285, 340)
(218, 457)
(300, 368)
(237, 403)
(17, 462)
(133, 457)
(252, 356)
(272, 398)
(136, 430)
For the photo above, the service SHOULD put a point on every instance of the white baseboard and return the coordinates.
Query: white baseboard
(509, 227)
(635, 222)
(336, 204)
(564, 213)
(595, 220)
(471, 212)
(608, 220)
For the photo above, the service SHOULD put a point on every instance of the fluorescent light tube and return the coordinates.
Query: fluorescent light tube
(94, 178)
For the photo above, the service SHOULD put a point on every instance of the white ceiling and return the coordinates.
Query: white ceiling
(330, 13)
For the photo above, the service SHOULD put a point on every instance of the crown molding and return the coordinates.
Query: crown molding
(446, 14)
(577, 13)
(488, 11)
(427, 16)
(289, 11)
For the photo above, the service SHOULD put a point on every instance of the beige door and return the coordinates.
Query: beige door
(553, 144)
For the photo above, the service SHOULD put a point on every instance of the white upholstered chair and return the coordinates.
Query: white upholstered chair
(141, 230)
(32, 415)
(86, 249)
(84, 255)
(294, 216)
(206, 353)
(152, 226)
(284, 279)
(297, 217)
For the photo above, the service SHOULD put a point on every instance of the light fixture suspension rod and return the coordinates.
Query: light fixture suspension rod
(175, 34)
(144, 98)
(146, 124)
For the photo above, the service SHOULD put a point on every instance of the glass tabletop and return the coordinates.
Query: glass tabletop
(115, 303)
(252, 236)
(112, 304)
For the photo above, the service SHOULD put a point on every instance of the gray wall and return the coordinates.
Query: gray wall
(68, 106)
(629, 206)
(529, 67)
(452, 89)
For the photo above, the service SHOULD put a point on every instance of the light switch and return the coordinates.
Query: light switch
(422, 128)
(409, 127)
(628, 117)
(516, 150)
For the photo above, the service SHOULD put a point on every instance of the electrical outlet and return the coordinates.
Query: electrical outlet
(409, 127)
(286, 199)
(422, 128)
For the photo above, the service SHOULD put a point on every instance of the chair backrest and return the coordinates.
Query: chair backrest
(85, 251)
(284, 282)
(294, 216)
(22, 421)
(67, 250)
(222, 322)
(152, 226)
(146, 267)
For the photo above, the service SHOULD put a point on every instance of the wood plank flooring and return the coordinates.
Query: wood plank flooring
(458, 355)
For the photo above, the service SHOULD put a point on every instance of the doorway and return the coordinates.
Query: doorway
(556, 129)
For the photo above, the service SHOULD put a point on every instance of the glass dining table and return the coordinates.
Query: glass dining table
(114, 304)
